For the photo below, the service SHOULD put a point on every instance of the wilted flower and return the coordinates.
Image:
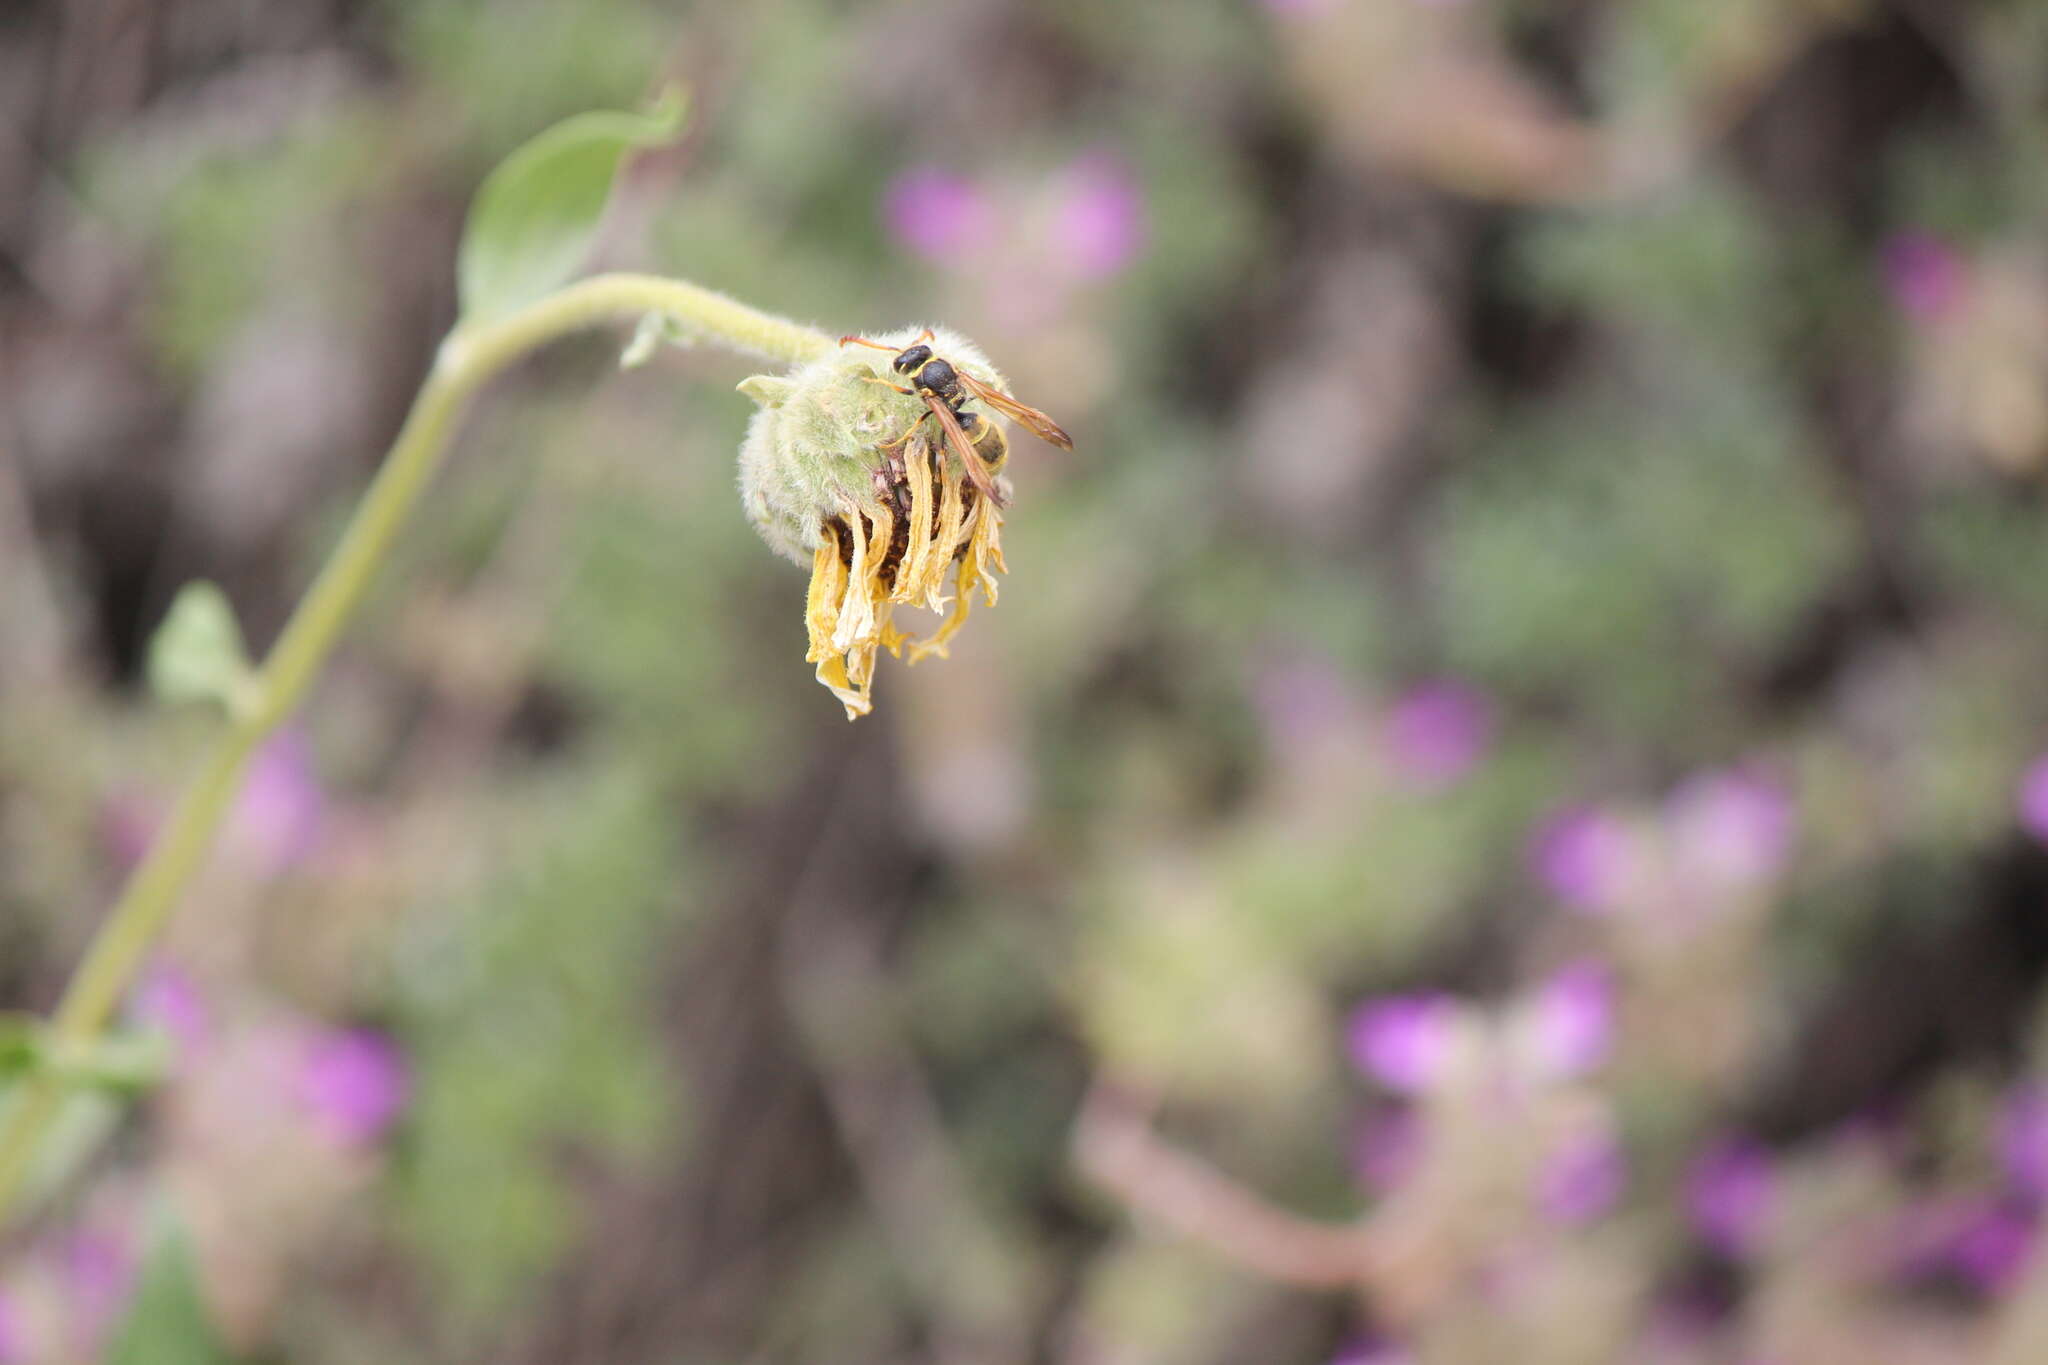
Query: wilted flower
(1437, 732)
(1405, 1042)
(938, 215)
(1728, 1194)
(849, 476)
(355, 1083)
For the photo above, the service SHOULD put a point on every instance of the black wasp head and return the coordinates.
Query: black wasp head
(908, 361)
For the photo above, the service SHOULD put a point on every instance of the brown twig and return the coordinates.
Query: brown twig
(1116, 1147)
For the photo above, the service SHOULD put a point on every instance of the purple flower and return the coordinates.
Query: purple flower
(1100, 223)
(1586, 857)
(280, 813)
(1435, 733)
(2022, 1138)
(2033, 799)
(1732, 829)
(355, 1083)
(1923, 274)
(1306, 708)
(99, 1273)
(1583, 1178)
(1568, 1028)
(1371, 1351)
(1992, 1248)
(1406, 1041)
(167, 1000)
(936, 214)
(1728, 1194)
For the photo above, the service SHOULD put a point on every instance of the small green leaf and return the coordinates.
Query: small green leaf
(21, 1043)
(536, 214)
(654, 330)
(119, 1062)
(167, 1323)
(197, 653)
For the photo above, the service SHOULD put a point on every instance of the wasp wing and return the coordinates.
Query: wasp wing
(1041, 426)
(970, 459)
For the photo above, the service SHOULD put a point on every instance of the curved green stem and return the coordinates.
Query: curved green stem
(467, 360)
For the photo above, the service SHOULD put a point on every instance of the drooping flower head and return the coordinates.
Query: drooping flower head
(842, 471)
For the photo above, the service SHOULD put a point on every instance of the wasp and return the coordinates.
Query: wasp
(980, 444)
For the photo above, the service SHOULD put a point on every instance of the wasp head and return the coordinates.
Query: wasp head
(909, 360)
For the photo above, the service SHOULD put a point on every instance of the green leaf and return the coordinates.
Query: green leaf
(120, 1062)
(654, 330)
(536, 214)
(167, 1322)
(197, 653)
(21, 1043)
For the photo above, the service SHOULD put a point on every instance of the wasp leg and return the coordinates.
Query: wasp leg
(908, 432)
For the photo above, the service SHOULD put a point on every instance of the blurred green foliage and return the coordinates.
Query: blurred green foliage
(739, 1034)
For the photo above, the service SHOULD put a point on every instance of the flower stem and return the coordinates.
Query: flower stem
(468, 359)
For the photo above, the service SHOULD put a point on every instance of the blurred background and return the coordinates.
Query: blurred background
(1498, 815)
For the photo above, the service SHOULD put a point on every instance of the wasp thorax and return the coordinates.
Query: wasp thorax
(847, 468)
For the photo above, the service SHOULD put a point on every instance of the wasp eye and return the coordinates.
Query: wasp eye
(909, 360)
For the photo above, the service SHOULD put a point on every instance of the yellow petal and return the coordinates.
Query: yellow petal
(827, 592)
(832, 673)
(917, 566)
(945, 540)
(857, 612)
